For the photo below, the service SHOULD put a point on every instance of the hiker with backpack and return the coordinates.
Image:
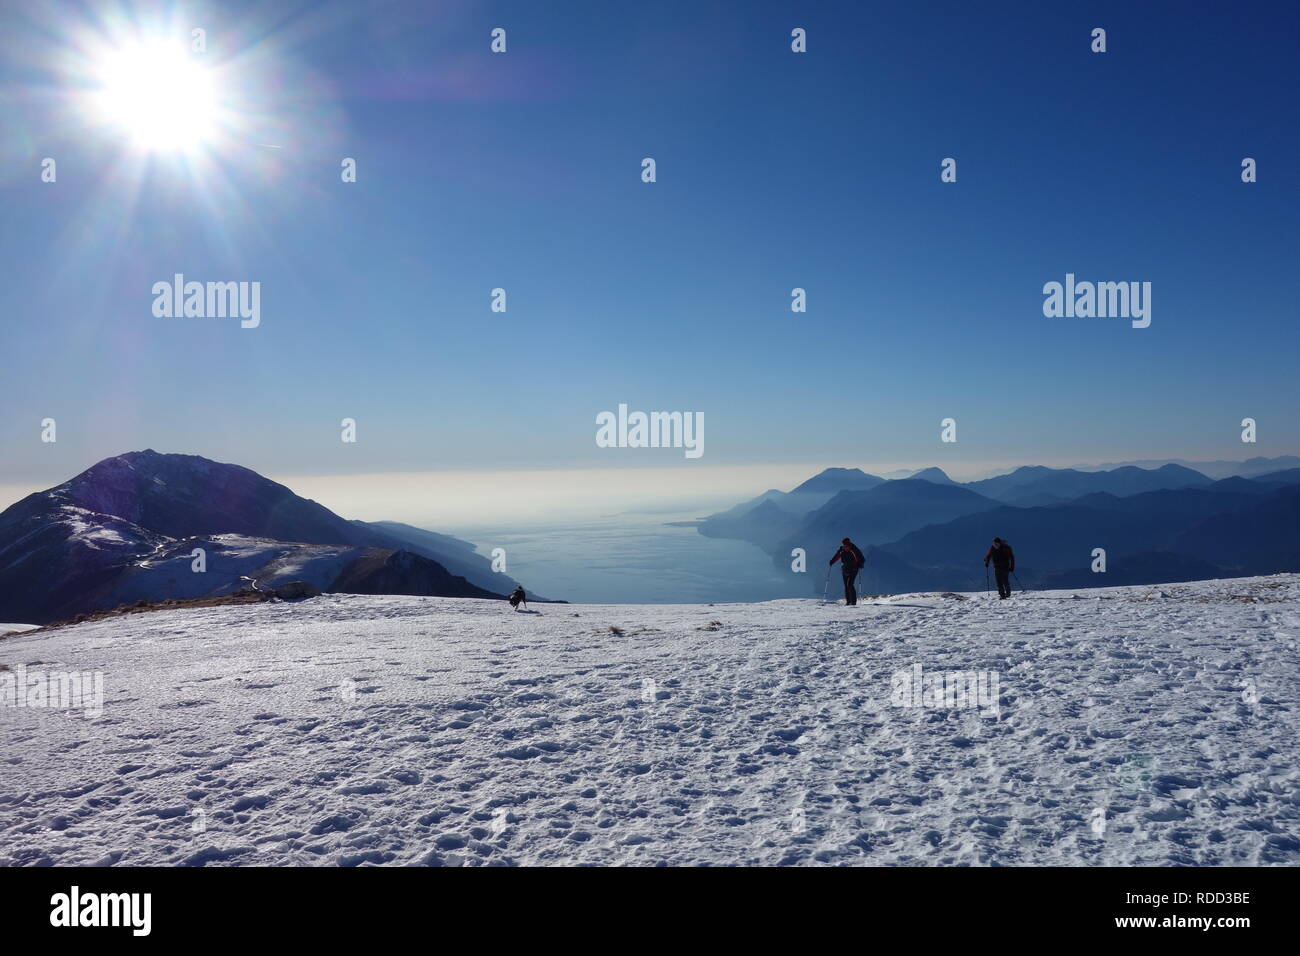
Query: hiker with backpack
(851, 562)
(518, 598)
(1004, 563)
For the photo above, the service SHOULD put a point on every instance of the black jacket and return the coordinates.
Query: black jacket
(853, 559)
(1002, 558)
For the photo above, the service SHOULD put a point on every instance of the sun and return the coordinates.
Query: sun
(158, 94)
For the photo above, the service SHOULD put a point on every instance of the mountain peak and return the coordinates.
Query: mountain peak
(146, 457)
(934, 475)
(831, 480)
(1181, 470)
(95, 536)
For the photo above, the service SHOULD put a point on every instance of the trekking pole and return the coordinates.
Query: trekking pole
(1018, 584)
(827, 591)
(986, 579)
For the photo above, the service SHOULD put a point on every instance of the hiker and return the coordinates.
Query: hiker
(1004, 562)
(517, 598)
(853, 562)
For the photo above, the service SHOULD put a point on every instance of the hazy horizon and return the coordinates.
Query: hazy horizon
(455, 498)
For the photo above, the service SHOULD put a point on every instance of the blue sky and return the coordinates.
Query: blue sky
(775, 170)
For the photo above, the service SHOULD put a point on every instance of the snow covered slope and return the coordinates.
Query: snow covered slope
(1140, 725)
(232, 562)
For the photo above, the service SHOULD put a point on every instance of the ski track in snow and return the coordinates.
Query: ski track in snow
(1150, 725)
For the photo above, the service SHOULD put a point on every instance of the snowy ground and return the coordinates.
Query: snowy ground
(1141, 725)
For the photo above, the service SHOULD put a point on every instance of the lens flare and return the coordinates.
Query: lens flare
(160, 95)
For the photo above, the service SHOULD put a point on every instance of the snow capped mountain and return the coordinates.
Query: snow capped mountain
(126, 528)
(180, 495)
(1107, 727)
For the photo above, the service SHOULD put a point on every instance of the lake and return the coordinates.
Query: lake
(637, 559)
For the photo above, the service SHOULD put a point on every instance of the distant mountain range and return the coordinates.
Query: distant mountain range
(1250, 468)
(1037, 485)
(1161, 524)
(125, 530)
